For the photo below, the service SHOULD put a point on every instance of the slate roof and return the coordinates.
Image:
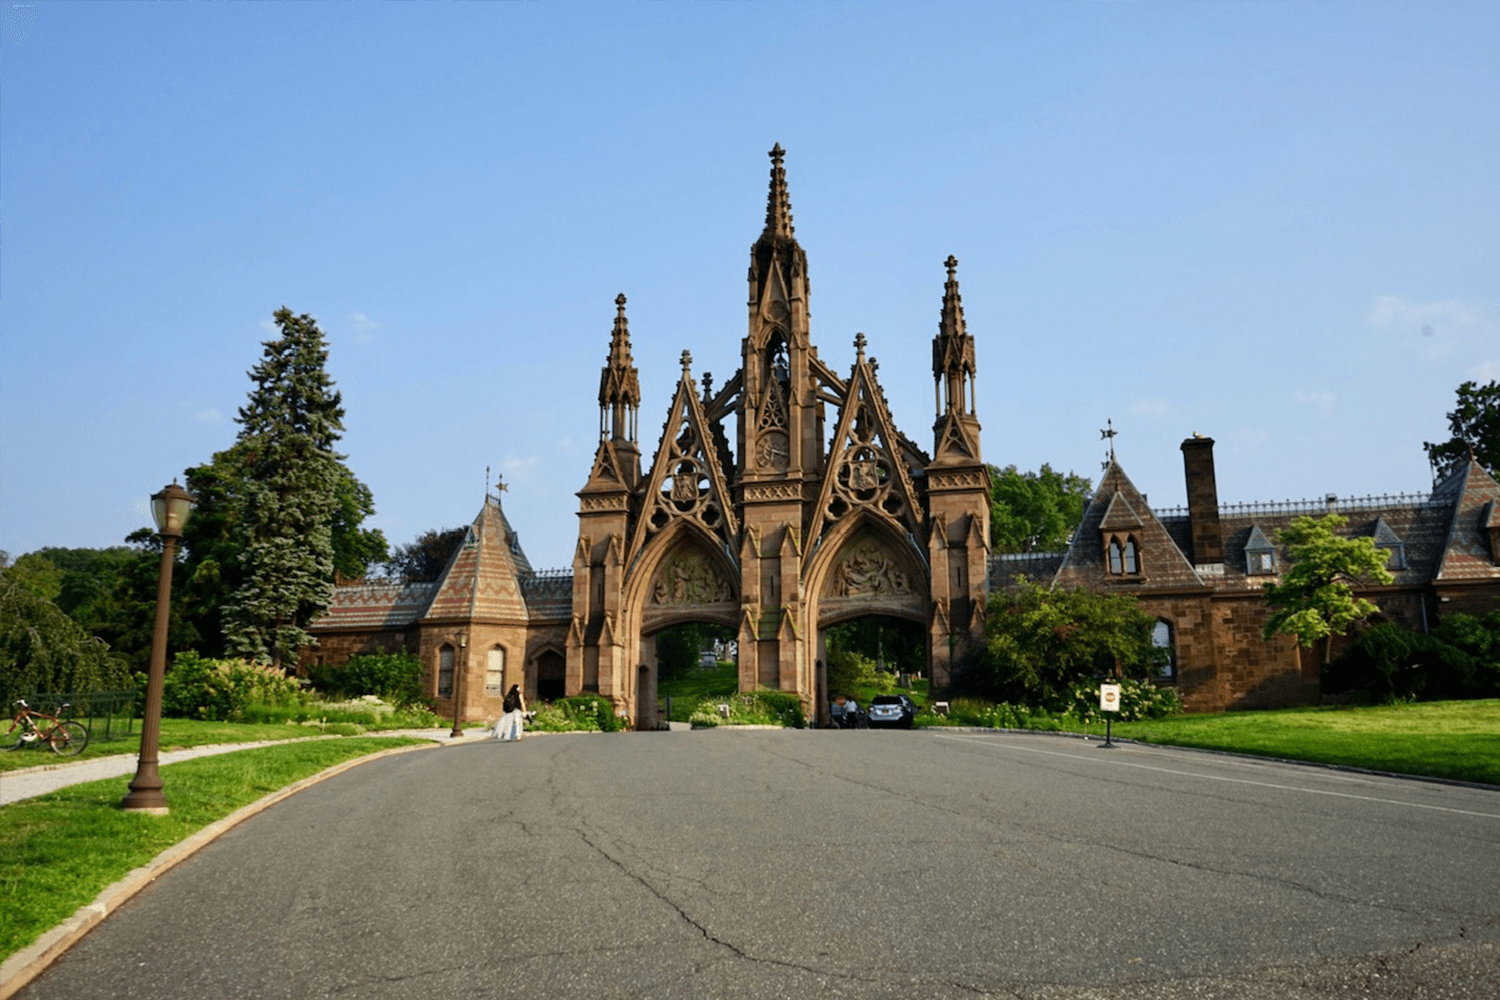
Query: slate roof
(1443, 537)
(1119, 506)
(377, 605)
(489, 578)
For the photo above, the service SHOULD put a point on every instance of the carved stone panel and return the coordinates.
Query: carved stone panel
(868, 569)
(689, 577)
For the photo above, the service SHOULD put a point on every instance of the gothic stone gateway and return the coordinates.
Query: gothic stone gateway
(821, 511)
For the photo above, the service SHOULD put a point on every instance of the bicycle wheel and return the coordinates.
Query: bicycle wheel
(69, 738)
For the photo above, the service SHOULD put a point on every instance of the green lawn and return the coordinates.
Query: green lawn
(58, 851)
(1445, 739)
(176, 734)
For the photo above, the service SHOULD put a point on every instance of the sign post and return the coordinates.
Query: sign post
(1109, 703)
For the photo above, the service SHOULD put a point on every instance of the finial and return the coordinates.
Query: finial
(1109, 435)
(777, 152)
(708, 384)
(620, 302)
(874, 364)
(859, 346)
(687, 361)
(952, 265)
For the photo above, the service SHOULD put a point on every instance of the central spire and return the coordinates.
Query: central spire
(619, 387)
(778, 201)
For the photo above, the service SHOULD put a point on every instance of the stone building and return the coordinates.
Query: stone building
(821, 511)
(1200, 570)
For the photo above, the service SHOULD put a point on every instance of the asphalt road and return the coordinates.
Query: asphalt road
(837, 864)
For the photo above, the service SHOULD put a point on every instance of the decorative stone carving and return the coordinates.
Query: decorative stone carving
(690, 578)
(869, 569)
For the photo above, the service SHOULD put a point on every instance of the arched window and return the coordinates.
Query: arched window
(1132, 564)
(1116, 560)
(494, 671)
(1124, 556)
(445, 671)
(1161, 638)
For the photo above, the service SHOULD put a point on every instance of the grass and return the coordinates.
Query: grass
(1443, 739)
(58, 851)
(176, 734)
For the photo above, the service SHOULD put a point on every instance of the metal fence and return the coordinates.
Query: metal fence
(110, 715)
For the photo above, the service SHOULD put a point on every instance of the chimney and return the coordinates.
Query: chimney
(1203, 500)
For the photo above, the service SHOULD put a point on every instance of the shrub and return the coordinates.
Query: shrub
(394, 677)
(578, 713)
(1138, 700)
(1390, 663)
(221, 690)
(1040, 643)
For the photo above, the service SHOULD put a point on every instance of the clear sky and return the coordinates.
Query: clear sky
(1275, 224)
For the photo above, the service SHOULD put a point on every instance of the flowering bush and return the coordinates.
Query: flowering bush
(579, 713)
(1138, 700)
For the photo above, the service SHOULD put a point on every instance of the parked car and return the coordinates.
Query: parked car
(892, 710)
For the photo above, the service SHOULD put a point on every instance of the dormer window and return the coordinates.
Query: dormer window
(1124, 556)
(1260, 554)
(1394, 547)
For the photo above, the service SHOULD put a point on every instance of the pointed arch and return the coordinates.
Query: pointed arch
(683, 574)
(867, 564)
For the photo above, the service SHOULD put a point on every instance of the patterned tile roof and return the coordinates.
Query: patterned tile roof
(382, 605)
(483, 578)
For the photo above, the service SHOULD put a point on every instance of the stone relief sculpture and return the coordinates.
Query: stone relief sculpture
(689, 578)
(869, 569)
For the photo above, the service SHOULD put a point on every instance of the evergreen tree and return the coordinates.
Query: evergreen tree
(288, 497)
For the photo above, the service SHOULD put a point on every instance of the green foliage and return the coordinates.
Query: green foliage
(423, 560)
(1458, 659)
(899, 644)
(1040, 643)
(848, 670)
(1475, 423)
(1034, 511)
(288, 497)
(1138, 700)
(42, 649)
(753, 708)
(394, 677)
(718, 681)
(1315, 598)
(985, 714)
(578, 713)
(221, 690)
(678, 648)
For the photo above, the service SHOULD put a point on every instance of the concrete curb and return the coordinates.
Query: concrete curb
(28, 963)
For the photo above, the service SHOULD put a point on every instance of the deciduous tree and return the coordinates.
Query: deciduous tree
(1315, 598)
(1040, 642)
(1475, 423)
(1034, 511)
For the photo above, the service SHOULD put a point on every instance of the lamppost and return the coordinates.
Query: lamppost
(458, 686)
(170, 509)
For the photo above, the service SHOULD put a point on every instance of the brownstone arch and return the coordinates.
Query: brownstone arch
(820, 509)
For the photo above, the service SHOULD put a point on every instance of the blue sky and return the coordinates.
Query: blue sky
(1271, 223)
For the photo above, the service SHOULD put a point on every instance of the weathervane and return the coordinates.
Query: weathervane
(1109, 435)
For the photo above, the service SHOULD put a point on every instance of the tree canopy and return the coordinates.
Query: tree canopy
(1034, 511)
(1474, 423)
(1040, 642)
(426, 558)
(42, 649)
(1315, 598)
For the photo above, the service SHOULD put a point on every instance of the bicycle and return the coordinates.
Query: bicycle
(66, 737)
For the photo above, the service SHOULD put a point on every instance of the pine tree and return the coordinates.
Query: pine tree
(289, 498)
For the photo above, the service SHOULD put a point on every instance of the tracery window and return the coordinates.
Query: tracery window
(1124, 556)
